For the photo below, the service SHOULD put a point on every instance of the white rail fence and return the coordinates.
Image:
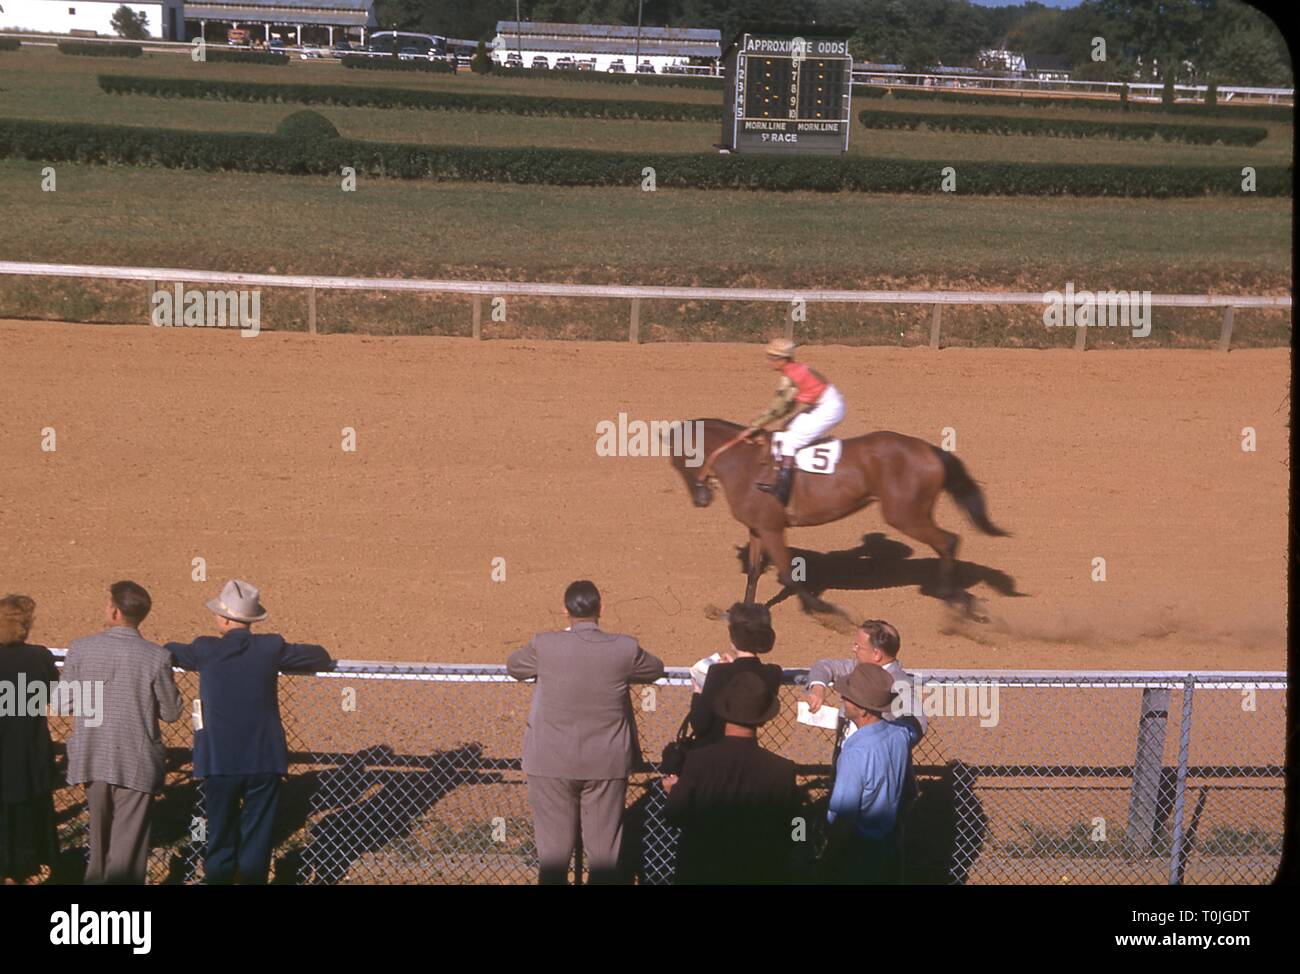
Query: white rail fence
(1138, 90)
(156, 277)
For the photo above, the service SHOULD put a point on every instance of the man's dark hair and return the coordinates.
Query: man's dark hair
(882, 635)
(750, 627)
(582, 600)
(132, 601)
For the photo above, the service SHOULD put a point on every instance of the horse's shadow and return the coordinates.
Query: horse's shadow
(880, 562)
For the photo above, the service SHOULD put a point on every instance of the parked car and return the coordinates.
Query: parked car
(513, 60)
(414, 54)
(564, 64)
(340, 49)
(311, 53)
(617, 66)
(587, 65)
(645, 67)
(540, 61)
(277, 43)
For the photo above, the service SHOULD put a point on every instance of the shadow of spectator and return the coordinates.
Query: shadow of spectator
(378, 796)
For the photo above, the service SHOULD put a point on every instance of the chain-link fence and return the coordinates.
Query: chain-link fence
(411, 774)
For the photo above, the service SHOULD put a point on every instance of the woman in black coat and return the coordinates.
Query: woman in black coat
(28, 840)
(750, 628)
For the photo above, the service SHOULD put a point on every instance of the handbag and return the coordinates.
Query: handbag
(673, 758)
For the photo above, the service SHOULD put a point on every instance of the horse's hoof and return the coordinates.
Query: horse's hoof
(714, 613)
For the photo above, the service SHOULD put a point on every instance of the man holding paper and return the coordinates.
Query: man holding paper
(877, 642)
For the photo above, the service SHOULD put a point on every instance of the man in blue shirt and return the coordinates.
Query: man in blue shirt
(239, 746)
(870, 782)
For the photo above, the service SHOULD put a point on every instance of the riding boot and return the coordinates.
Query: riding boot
(784, 479)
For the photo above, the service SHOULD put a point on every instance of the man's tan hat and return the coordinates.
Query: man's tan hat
(869, 686)
(781, 348)
(238, 601)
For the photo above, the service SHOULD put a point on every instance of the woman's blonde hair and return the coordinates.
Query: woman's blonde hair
(16, 615)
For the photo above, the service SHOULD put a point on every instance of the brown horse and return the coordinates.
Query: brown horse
(904, 473)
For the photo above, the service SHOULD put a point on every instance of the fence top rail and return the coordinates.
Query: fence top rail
(171, 275)
(681, 675)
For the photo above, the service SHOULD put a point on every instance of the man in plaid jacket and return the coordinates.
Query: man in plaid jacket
(120, 759)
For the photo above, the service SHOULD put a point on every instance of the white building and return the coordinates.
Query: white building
(661, 47)
(89, 17)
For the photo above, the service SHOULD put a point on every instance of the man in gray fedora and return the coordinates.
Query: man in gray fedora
(121, 758)
(580, 743)
(239, 746)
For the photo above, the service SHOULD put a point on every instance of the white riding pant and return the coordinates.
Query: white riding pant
(814, 424)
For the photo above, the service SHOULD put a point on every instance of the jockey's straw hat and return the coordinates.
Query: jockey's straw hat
(781, 348)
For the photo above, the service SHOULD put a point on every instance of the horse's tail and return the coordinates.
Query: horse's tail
(967, 493)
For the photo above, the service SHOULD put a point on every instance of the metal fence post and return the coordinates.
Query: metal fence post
(1177, 857)
(1147, 768)
(935, 318)
(1225, 333)
(634, 326)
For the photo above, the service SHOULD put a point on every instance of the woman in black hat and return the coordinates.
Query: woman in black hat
(750, 628)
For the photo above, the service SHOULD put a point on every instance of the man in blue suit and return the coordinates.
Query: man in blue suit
(239, 746)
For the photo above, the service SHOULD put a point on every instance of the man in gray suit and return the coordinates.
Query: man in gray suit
(121, 760)
(580, 743)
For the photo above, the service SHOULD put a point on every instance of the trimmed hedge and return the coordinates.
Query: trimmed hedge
(1254, 113)
(10, 43)
(354, 96)
(1064, 128)
(98, 49)
(869, 91)
(245, 57)
(607, 77)
(248, 152)
(392, 62)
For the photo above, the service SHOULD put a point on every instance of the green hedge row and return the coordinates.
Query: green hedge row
(869, 91)
(355, 96)
(1064, 128)
(1252, 113)
(10, 43)
(391, 62)
(245, 57)
(96, 49)
(246, 152)
(607, 77)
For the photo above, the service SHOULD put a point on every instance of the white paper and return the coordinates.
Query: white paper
(826, 716)
(701, 669)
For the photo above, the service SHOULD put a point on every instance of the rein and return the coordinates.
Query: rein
(706, 471)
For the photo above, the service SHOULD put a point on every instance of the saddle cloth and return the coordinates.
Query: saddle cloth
(820, 457)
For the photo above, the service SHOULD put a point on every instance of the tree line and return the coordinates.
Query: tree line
(1196, 41)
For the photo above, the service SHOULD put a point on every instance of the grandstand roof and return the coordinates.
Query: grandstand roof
(348, 13)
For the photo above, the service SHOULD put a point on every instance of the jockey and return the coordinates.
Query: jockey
(816, 406)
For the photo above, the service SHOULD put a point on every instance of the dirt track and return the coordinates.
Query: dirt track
(176, 444)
